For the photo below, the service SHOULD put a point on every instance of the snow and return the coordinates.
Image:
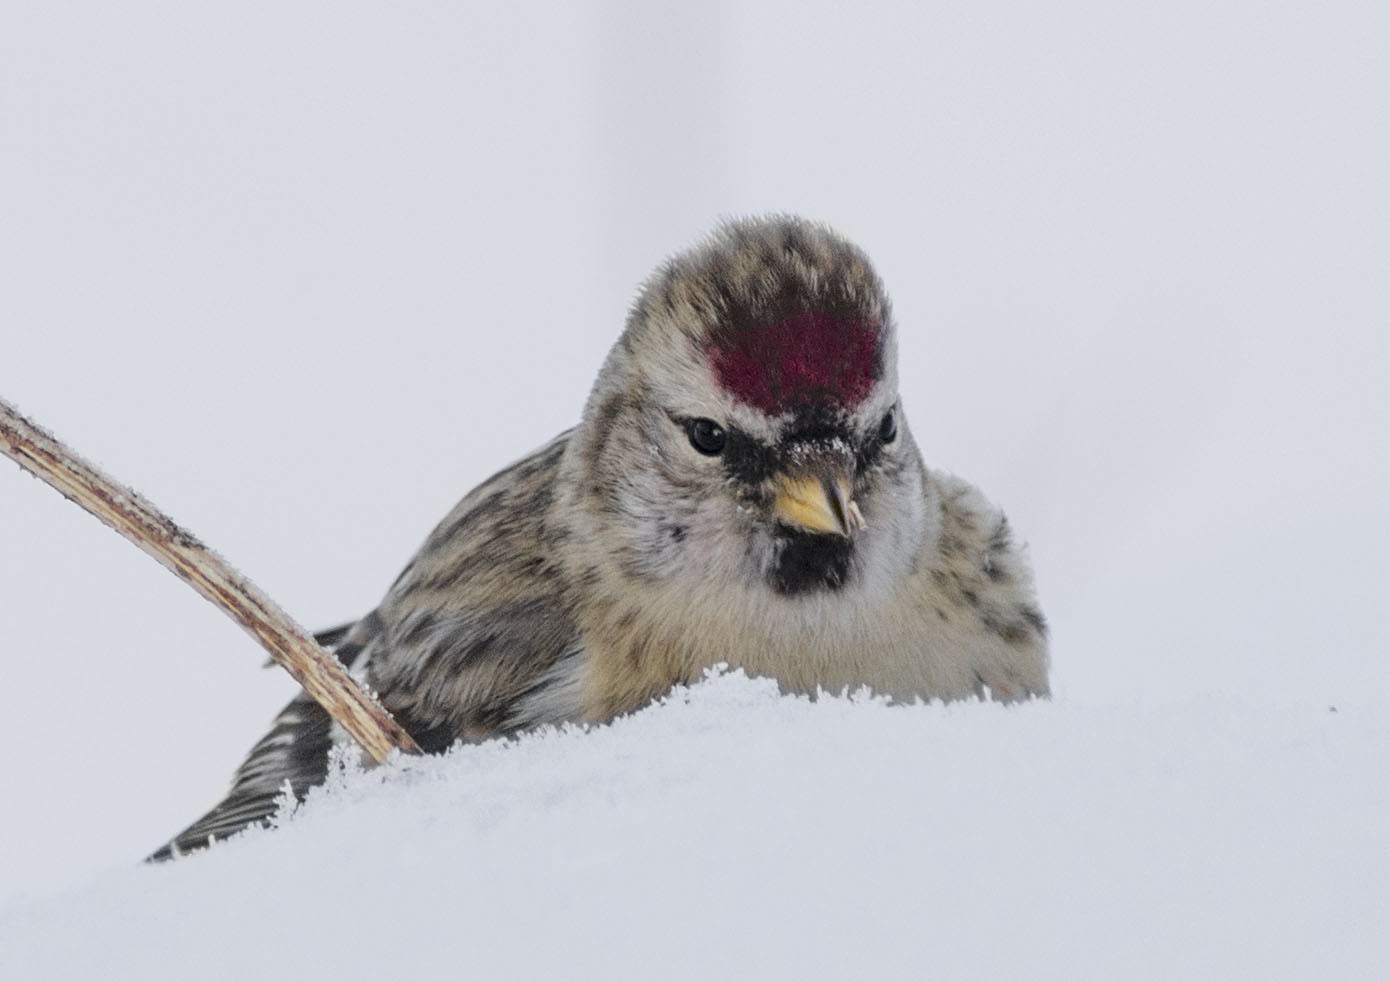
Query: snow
(734, 831)
(303, 274)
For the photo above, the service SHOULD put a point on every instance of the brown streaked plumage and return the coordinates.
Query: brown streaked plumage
(742, 487)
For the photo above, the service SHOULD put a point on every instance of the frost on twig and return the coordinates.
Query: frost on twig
(321, 675)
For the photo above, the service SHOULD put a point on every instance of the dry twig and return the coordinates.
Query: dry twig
(322, 675)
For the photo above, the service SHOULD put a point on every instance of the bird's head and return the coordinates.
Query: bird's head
(746, 425)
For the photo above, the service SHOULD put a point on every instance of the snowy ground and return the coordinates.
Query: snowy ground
(305, 273)
(732, 832)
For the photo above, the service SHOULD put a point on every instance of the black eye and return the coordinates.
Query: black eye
(888, 429)
(706, 436)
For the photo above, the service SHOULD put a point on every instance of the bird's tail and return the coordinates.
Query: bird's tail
(294, 751)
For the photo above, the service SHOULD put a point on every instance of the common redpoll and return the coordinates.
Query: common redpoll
(743, 487)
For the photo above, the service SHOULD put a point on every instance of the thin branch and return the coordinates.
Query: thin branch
(322, 675)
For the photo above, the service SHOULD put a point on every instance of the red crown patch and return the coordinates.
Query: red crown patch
(807, 358)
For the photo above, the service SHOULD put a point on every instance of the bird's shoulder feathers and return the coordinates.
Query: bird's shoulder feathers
(477, 637)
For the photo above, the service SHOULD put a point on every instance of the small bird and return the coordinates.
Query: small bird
(742, 487)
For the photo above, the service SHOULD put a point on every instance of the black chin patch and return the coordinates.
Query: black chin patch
(808, 561)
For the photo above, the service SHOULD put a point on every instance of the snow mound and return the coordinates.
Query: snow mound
(730, 830)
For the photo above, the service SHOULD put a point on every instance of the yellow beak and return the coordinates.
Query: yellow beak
(819, 504)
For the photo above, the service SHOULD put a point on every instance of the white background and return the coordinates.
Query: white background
(304, 273)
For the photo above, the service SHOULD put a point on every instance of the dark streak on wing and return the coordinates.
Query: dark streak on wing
(333, 635)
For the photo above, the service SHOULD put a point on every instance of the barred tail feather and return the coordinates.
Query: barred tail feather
(295, 750)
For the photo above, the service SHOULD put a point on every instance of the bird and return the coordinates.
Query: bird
(742, 488)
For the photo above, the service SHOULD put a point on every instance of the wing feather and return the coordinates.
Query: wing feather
(475, 638)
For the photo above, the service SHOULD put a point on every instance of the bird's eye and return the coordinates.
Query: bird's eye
(706, 436)
(888, 428)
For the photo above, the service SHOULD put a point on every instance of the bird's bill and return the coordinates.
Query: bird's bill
(817, 503)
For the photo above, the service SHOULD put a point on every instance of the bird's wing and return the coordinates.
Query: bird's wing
(981, 571)
(479, 634)
(475, 638)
